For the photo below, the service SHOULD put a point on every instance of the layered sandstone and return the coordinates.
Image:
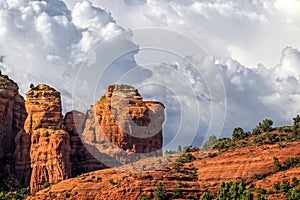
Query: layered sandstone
(81, 159)
(242, 163)
(124, 126)
(42, 143)
(43, 105)
(12, 117)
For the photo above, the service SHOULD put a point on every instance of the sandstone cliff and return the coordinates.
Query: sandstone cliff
(12, 117)
(43, 144)
(120, 126)
(81, 159)
(124, 126)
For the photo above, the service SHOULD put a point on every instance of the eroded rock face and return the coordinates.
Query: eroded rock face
(50, 157)
(122, 124)
(43, 105)
(48, 151)
(12, 117)
(49, 148)
(81, 159)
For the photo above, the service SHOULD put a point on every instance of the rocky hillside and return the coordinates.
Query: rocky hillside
(192, 175)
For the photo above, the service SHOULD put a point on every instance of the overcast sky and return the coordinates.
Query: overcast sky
(215, 64)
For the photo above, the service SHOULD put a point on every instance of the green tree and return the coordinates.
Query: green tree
(237, 133)
(293, 194)
(266, 125)
(210, 142)
(296, 127)
(206, 196)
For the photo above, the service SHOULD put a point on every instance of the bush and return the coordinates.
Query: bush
(176, 168)
(187, 158)
(293, 194)
(277, 165)
(67, 195)
(260, 197)
(211, 155)
(111, 181)
(291, 162)
(233, 190)
(206, 196)
(276, 186)
(144, 197)
(261, 191)
(259, 176)
(266, 125)
(46, 184)
(176, 193)
(159, 193)
(209, 144)
(238, 133)
(256, 131)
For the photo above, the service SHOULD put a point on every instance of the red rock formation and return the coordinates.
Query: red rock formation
(43, 105)
(49, 149)
(50, 157)
(81, 160)
(121, 123)
(12, 117)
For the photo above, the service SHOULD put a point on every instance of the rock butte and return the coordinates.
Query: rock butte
(12, 116)
(49, 148)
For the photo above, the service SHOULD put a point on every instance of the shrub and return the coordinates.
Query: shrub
(111, 181)
(177, 193)
(285, 186)
(211, 155)
(266, 125)
(176, 168)
(291, 162)
(206, 196)
(46, 184)
(187, 158)
(277, 165)
(256, 131)
(259, 176)
(211, 141)
(67, 195)
(293, 194)
(261, 191)
(238, 133)
(276, 186)
(46, 134)
(159, 193)
(144, 197)
(260, 197)
(233, 190)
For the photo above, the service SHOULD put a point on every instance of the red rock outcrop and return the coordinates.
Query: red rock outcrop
(43, 105)
(12, 117)
(124, 126)
(49, 148)
(81, 159)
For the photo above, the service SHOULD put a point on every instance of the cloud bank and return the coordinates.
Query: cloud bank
(47, 41)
